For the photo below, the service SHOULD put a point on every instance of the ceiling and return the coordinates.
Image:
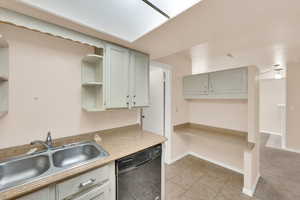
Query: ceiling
(126, 19)
(255, 32)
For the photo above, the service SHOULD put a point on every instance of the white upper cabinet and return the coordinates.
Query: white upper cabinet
(139, 79)
(4, 68)
(195, 85)
(117, 79)
(226, 84)
(117, 76)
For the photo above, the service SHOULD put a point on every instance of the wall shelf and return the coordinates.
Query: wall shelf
(92, 58)
(92, 83)
(93, 109)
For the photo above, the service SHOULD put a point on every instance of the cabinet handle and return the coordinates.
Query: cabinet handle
(134, 96)
(127, 96)
(87, 183)
(134, 103)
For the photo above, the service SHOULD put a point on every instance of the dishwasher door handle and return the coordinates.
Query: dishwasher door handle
(122, 171)
(143, 162)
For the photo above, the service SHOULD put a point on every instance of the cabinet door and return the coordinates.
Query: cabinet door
(228, 82)
(44, 194)
(139, 79)
(116, 79)
(195, 85)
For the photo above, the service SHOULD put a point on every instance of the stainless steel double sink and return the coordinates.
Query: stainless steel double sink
(28, 168)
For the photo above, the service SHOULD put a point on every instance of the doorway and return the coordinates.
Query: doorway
(157, 117)
(272, 110)
(278, 166)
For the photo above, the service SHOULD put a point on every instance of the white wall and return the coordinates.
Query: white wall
(154, 115)
(45, 91)
(293, 107)
(230, 114)
(181, 66)
(272, 92)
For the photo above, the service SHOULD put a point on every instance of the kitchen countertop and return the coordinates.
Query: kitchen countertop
(118, 142)
(204, 128)
(215, 132)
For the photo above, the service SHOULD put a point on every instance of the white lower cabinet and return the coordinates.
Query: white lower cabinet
(47, 193)
(98, 184)
(100, 192)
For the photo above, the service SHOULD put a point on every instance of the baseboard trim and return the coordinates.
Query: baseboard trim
(240, 171)
(177, 158)
(250, 192)
(271, 133)
(291, 150)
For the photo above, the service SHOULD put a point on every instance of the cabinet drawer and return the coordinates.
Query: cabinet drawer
(98, 193)
(45, 194)
(77, 184)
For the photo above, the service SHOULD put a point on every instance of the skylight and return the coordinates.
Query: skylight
(125, 19)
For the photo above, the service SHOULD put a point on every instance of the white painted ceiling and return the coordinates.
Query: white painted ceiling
(174, 7)
(255, 32)
(124, 19)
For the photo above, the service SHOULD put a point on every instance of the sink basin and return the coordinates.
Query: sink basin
(77, 154)
(18, 171)
(24, 169)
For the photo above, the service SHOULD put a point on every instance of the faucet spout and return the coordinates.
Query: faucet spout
(49, 141)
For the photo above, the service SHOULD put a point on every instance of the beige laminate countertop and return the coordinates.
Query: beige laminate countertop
(117, 142)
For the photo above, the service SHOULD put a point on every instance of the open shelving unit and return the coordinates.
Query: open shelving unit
(4, 64)
(92, 74)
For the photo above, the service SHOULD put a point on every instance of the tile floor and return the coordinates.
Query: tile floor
(194, 179)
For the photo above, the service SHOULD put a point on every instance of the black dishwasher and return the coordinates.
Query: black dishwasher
(139, 175)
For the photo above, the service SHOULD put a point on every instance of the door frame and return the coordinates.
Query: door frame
(167, 107)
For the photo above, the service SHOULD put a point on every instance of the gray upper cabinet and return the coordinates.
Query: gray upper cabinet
(117, 76)
(226, 84)
(139, 79)
(195, 85)
(126, 79)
